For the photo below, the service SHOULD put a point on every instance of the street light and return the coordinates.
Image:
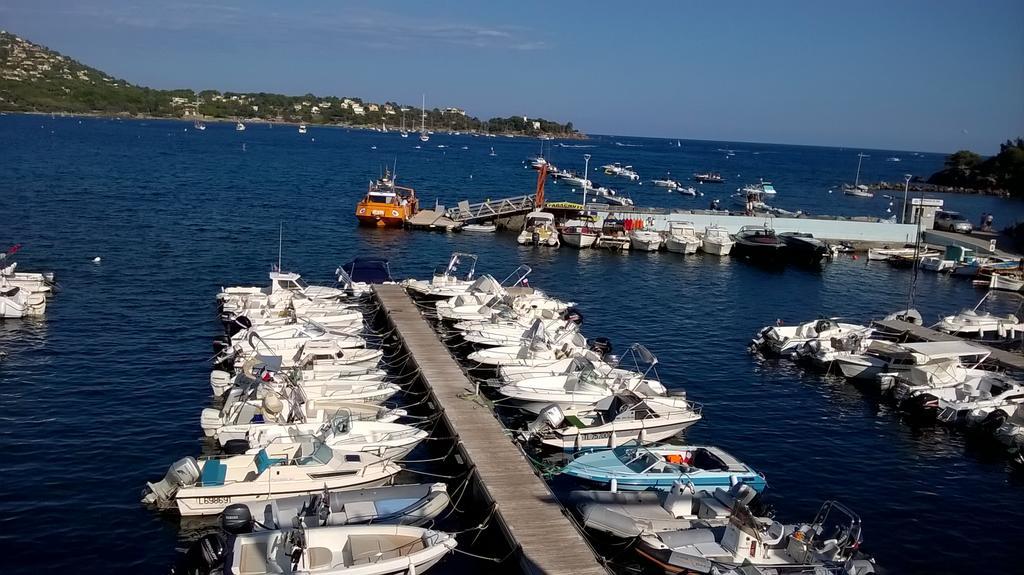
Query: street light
(586, 180)
(906, 187)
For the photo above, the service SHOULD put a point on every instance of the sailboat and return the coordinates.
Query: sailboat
(857, 189)
(383, 127)
(679, 144)
(423, 121)
(199, 125)
(239, 127)
(402, 131)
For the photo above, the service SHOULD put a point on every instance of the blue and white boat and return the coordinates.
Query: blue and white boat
(633, 467)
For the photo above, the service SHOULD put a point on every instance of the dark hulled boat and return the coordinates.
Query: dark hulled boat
(759, 244)
(803, 248)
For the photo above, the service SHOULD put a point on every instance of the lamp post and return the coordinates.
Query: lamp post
(906, 187)
(586, 179)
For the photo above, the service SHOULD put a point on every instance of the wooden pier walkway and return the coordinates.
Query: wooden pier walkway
(527, 511)
(1005, 359)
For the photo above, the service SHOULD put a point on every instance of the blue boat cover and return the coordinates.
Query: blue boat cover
(368, 270)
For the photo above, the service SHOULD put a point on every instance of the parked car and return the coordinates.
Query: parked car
(953, 222)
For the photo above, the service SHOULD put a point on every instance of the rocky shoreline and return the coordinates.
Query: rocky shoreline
(933, 188)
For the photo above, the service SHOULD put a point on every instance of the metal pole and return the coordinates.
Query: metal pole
(906, 187)
(586, 179)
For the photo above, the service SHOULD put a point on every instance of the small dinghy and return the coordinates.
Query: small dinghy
(620, 418)
(634, 467)
(207, 488)
(627, 514)
(829, 544)
(480, 228)
(396, 505)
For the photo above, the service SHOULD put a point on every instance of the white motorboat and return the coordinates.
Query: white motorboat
(539, 230)
(31, 283)
(239, 127)
(883, 254)
(1006, 282)
(618, 169)
(882, 357)
(716, 241)
(822, 352)
(682, 238)
(302, 128)
(563, 367)
(206, 488)
(385, 440)
(480, 228)
(937, 264)
(983, 325)
(1011, 431)
(955, 394)
(579, 236)
(279, 340)
(16, 302)
(447, 281)
(784, 340)
(667, 182)
(593, 382)
(536, 353)
(623, 417)
(688, 191)
(645, 240)
(340, 550)
(761, 545)
(235, 297)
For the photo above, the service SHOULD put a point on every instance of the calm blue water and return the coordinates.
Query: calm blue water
(105, 393)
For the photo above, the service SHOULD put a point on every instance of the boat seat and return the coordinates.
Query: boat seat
(214, 472)
(575, 422)
(264, 461)
(687, 537)
(319, 557)
(359, 511)
(253, 558)
(366, 549)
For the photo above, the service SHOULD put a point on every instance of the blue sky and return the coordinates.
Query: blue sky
(912, 74)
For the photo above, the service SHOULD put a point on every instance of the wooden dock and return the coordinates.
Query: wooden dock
(1005, 359)
(526, 509)
(432, 220)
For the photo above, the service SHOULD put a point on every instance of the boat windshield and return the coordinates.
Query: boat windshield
(321, 456)
(380, 198)
(300, 283)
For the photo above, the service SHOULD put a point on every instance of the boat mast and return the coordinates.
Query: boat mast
(860, 158)
(280, 236)
(423, 117)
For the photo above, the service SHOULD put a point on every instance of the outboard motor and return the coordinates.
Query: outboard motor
(549, 418)
(182, 472)
(221, 343)
(236, 519)
(220, 381)
(204, 557)
(601, 345)
(573, 315)
(743, 493)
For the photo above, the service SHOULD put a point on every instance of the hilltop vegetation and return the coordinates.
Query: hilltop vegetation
(34, 78)
(1004, 171)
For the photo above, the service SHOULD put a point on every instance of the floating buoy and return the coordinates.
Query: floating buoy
(96, 260)
(856, 257)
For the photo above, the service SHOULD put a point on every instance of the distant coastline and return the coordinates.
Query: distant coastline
(35, 79)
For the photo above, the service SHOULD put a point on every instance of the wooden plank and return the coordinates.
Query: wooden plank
(527, 510)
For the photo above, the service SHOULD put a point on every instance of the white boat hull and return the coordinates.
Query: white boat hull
(582, 241)
(681, 246)
(716, 248)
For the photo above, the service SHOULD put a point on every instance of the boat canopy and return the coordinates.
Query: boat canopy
(948, 349)
(540, 216)
(368, 270)
(768, 188)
